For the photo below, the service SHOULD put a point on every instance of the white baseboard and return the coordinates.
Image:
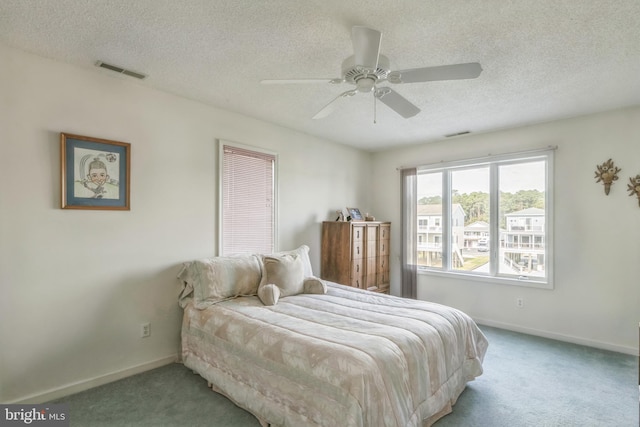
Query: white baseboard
(560, 337)
(83, 385)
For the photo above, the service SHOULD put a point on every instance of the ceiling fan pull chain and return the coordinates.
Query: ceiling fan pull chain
(375, 111)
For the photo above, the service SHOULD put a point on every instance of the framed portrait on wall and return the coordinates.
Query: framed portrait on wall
(95, 173)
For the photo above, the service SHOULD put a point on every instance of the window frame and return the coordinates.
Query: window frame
(493, 162)
(221, 194)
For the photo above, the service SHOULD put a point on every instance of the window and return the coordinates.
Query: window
(495, 215)
(247, 200)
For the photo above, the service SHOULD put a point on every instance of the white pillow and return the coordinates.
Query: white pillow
(284, 271)
(220, 278)
(303, 253)
(282, 276)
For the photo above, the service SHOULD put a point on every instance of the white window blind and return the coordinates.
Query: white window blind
(248, 201)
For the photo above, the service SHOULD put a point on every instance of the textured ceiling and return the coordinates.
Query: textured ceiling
(542, 59)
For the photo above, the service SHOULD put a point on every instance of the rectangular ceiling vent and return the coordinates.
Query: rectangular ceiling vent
(120, 70)
(457, 134)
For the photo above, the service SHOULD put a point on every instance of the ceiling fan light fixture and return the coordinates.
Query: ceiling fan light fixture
(366, 84)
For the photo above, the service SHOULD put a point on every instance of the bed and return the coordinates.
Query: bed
(322, 354)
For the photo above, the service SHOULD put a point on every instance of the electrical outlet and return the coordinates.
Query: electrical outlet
(519, 302)
(145, 330)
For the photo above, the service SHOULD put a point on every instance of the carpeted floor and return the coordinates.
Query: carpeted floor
(527, 381)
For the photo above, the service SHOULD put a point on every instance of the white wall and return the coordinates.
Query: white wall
(76, 284)
(596, 300)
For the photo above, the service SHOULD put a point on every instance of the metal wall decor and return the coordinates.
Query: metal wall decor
(607, 173)
(634, 187)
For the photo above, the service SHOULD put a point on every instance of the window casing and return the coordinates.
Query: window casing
(248, 200)
(488, 219)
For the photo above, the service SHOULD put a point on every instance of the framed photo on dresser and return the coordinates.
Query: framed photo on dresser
(355, 214)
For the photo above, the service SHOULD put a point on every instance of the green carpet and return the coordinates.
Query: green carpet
(527, 381)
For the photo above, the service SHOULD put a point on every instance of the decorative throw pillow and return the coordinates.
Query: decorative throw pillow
(313, 285)
(269, 294)
(302, 251)
(285, 271)
(283, 275)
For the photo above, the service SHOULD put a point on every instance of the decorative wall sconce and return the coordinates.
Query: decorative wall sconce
(634, 187)
(607, 173)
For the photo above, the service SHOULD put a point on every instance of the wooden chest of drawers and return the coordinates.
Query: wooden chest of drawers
(356, 254)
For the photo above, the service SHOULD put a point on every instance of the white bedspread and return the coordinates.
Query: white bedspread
(347, 358)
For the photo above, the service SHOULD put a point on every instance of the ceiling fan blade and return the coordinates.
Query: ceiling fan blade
(469, 70)
(366, 47)
(396, 102)
(295, 81)
(330, 107)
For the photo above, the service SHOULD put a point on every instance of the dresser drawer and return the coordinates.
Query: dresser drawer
(357, 274)
(357, 268)
(385, 232)
(383, 278)
(383, 265)
(358, 233)
(383, 247)
(357, 250)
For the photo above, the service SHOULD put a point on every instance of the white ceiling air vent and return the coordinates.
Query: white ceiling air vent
(457, 134)
(120, 70)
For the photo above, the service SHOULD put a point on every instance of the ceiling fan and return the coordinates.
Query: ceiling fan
(367, 68)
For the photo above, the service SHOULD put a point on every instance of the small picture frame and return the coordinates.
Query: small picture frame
(95, 173)
(355, 214)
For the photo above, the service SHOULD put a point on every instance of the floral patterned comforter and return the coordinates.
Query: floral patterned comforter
(347, 358)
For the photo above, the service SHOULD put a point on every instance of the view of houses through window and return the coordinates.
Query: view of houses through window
(457, 230)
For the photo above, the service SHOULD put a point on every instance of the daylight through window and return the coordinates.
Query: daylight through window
(248, 200)
(487, 219)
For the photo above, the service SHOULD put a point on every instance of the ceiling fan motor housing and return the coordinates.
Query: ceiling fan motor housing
(364, 79)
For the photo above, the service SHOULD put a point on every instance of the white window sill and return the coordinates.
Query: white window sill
(526, 281)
